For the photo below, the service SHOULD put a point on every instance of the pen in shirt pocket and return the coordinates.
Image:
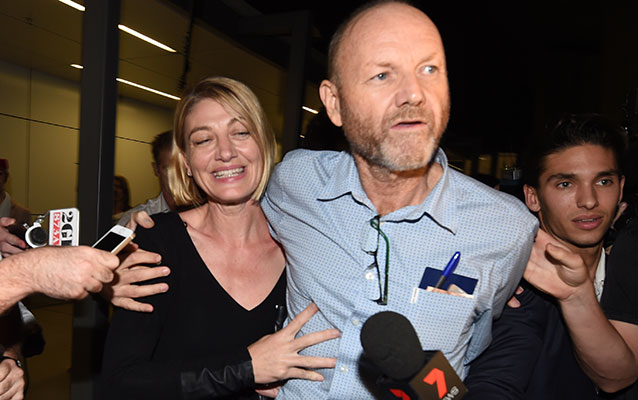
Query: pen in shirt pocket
(449, 269)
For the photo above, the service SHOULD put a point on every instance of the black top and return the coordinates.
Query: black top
(195, 325)
(620, 291)
(530, 356)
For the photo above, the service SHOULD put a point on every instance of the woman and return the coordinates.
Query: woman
(227, 285)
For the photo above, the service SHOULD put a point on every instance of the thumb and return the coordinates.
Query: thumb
(109, 260)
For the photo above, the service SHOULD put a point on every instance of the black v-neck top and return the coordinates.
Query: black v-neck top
(195, 325)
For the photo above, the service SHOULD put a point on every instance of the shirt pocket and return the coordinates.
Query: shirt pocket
(441, 319)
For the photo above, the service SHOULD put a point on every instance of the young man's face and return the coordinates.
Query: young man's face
(577, 195)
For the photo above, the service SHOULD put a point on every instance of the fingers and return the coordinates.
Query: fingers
(6, 221)
(300, 320)
(272, 393)
(513, 302)
(140, 257)
(315, 337)
(563, 256)
(131, 305)
(137, 291)
(140, 218)
(300, 373)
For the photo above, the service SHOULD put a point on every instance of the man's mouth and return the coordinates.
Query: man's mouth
(588, 222)
(228, 173)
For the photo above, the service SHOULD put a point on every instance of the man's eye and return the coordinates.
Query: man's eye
(381, 76)
(605, 182)
(430, 69)
(564, 185)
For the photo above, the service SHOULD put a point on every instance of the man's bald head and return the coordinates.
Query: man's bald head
(346, 26)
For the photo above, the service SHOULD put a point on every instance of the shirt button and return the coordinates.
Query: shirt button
(356, 322)
(370, 275)
(344, 368)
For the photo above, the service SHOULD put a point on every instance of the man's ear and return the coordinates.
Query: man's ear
(622, 187)
(531, 198)
(155, 169)
(330, 98)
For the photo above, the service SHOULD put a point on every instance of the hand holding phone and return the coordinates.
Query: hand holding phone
(115, 239)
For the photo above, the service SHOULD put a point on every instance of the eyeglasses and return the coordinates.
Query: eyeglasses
(383, 291)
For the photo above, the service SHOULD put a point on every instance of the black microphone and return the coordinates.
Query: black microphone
(409, 373)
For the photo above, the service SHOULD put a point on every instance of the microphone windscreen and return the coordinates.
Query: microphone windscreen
(392, 344)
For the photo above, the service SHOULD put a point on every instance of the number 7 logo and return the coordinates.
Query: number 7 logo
(437, 377)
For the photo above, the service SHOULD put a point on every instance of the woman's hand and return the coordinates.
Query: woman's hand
(123, 289)
(275, 357)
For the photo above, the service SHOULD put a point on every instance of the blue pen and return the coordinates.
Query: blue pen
(449, 269)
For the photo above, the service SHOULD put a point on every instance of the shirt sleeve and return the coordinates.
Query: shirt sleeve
(620, 295)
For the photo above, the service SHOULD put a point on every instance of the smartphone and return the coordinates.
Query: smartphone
(115, 239)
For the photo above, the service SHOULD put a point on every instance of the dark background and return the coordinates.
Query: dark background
(515, 66)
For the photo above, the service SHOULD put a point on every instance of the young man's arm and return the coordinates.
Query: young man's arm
(607, 350)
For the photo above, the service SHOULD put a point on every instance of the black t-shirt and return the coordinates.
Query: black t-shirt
(620, 291)
(195, 325)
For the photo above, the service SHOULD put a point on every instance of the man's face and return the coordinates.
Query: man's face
(161, 171)
(578, 194)
(392, 96)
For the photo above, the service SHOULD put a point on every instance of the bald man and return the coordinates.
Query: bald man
(361, 228)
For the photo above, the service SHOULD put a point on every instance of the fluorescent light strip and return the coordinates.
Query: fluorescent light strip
(78, 66)
(73, 4)
(125, 28)
(137, 85)
(310, 110)
(146, 38)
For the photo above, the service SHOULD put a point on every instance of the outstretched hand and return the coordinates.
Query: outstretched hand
(123, 288)
(276, 357)
(554, 269)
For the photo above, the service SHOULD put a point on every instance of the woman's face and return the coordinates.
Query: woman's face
(222, 156)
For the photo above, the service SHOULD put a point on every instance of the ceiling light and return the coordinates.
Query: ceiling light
(146, 38)
(73, 4)
(137, 85)
(310, 110)
(78, 66)
(125, 28)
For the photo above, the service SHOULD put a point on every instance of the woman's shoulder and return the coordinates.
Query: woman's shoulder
(165, 230)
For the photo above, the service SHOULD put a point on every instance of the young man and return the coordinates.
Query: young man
(574, 185)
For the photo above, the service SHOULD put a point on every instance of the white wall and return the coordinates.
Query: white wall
(39, 134)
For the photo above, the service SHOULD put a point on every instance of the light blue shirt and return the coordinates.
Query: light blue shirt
(320, 213)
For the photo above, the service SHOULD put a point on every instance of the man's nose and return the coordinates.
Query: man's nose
(410, 91)
(587, 197)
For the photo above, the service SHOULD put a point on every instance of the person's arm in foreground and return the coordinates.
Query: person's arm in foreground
(130, 373)
(59, 272)
(504, 369)
(607, 350)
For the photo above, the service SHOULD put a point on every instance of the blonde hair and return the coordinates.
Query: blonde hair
(239, 101)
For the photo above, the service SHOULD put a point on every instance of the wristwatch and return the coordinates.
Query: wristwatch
(18, 362)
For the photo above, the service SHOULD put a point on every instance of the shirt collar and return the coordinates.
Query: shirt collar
(440, 205)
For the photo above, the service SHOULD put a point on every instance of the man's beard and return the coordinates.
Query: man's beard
(393, 151)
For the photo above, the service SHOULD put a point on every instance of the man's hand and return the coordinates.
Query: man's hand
(9, 244)
(140, 218)
(554, 269)
(11, 380)
(123, 289)
(69, 272)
